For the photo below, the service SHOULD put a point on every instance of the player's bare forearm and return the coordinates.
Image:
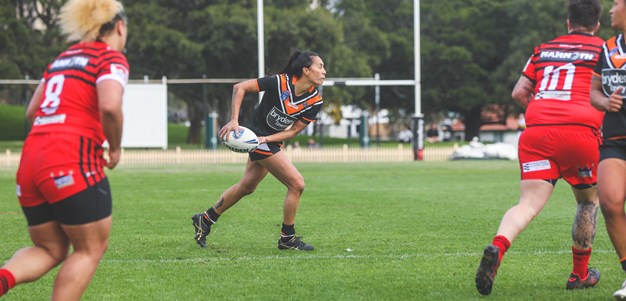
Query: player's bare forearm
(239, 91)
(236, 101)
(110, 94)
(523, 91)
(286, 134)
(112, 124)
(35, 101)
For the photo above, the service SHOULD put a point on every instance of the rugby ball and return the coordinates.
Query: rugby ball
(242, 141)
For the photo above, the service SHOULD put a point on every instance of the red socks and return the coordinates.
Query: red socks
(580, 257)
(581, 261)
(503, 244)
(7, 281)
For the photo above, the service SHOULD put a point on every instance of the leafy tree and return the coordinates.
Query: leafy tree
(29, 40)
(472, 50)
(463, 43)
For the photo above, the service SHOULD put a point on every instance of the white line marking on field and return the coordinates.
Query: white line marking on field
(338, 256)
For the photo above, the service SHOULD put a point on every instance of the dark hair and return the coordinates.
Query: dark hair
(106, 27)
(298, 60)
(584, 13)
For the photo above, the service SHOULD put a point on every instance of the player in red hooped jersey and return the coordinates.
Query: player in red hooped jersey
(291, 101)
(561, 140)
(61, 185)
(607, 92)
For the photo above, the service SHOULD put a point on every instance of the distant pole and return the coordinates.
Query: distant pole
(417, 57)
(260, 40)
(418, 119)
(27, 124)
(377, 101)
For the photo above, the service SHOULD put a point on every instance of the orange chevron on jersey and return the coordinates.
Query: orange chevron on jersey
(286, 96)
(280, 107)
(617, 57)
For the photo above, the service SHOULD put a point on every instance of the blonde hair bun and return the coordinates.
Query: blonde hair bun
(81, 19)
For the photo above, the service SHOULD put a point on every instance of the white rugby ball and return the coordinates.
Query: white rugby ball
(243, 140)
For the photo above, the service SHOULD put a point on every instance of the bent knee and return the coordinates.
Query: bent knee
(529, 210)
(94, 250)
(58, 253)
(246, 189)
(297, 185)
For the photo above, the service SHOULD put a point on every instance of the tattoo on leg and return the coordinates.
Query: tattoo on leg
(584, 228)
(219, 203)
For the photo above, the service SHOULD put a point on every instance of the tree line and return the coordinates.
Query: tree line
(472, 51)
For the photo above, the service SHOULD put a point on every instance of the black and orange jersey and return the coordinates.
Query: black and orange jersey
(69, 101)
(612, 69)
(561, 71)
(280, 107)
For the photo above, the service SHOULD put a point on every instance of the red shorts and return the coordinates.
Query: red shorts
(55, 166)
(553, 152)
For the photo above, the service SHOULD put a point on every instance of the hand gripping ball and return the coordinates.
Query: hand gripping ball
(242, 141)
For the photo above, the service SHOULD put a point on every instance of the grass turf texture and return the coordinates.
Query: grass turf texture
(416, 232)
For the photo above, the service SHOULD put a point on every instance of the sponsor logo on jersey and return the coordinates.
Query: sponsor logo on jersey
(536, 165)
(278, 120)
(565, 56)
(62, 180)
(52, 119)
(284, 95)
(585, 171)
(69, 63)
(570, 46)
(612, 79)
(556, 95)
(120, 71)
(18, 190)
(73, 51)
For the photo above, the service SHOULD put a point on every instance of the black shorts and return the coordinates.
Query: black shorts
(613, 149)
(89, 205)
(265, 150)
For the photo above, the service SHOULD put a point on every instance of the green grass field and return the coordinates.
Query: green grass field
(410, 231)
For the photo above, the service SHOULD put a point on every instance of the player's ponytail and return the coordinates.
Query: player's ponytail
(83, 20)
(298, 60)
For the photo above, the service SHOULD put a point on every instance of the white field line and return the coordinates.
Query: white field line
(309, 256)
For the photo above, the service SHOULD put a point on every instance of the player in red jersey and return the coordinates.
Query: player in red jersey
(607, 92)
(291, 101)
(560, 141)
(61, 186)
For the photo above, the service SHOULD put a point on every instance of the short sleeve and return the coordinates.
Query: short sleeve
(113, 65)
(267, 82)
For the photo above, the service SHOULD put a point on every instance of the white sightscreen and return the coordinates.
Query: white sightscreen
(145, 116)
